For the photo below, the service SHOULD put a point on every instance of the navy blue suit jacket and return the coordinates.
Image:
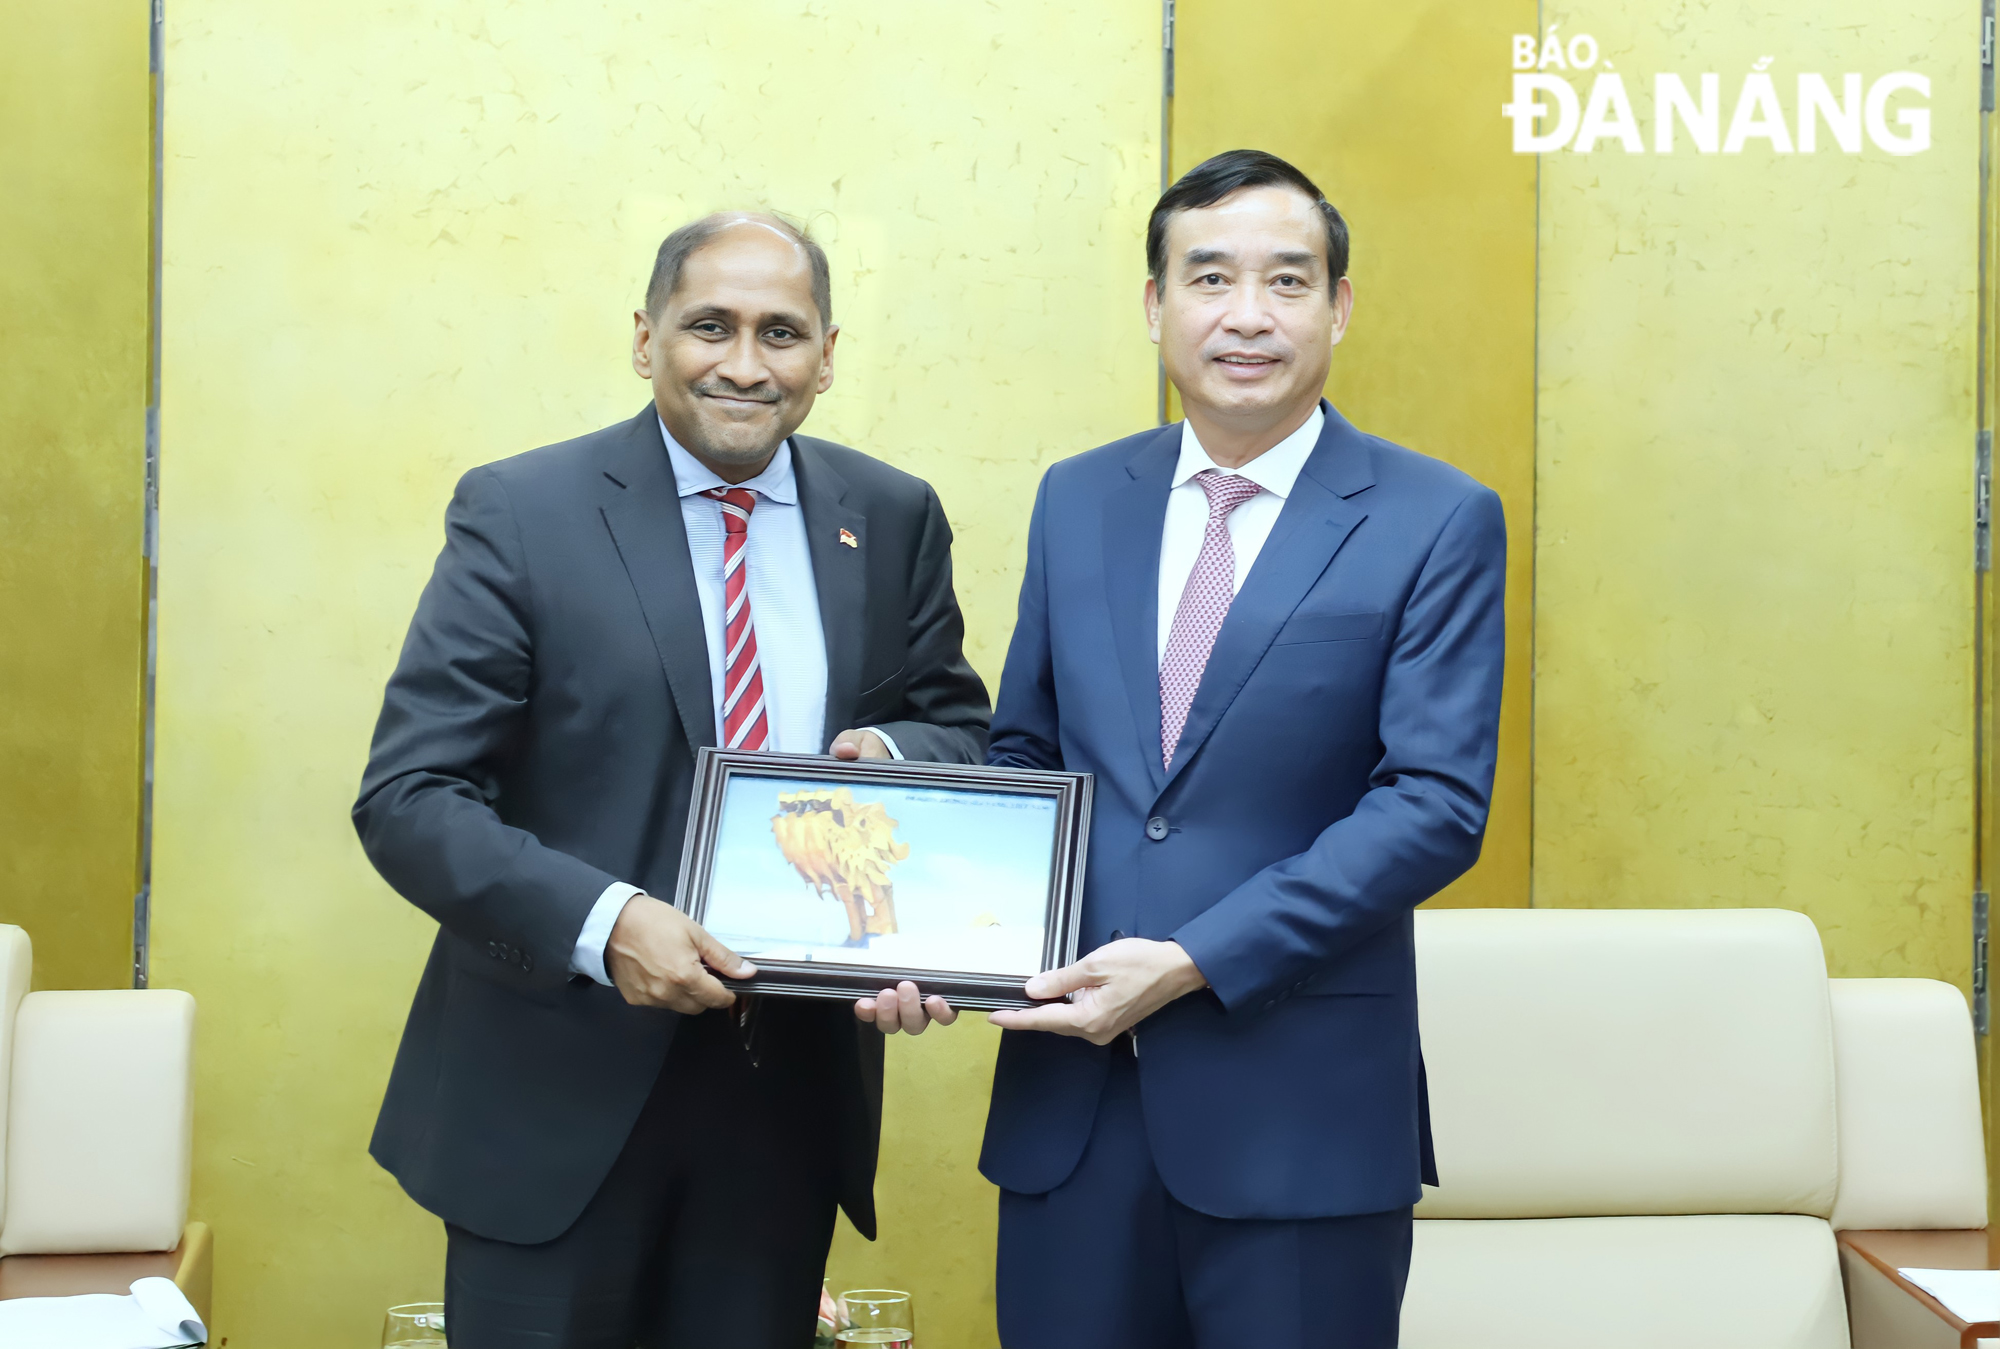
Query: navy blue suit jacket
(1334, 773)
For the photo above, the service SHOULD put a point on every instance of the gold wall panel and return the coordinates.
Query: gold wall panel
(1391, 109)
(1754, 565)
(75, 156)
(404, 241)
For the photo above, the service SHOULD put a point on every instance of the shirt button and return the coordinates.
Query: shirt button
(1118, 934)
(1156, 828)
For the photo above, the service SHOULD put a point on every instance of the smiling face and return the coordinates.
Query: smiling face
(1247, 318)
(738, 352)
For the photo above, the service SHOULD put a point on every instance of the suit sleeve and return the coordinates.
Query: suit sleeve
(1025, 722)
(945, 711)
(451, 717)
(1421, 822)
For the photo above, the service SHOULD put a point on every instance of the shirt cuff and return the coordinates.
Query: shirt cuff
(888, 741)
(588, 957)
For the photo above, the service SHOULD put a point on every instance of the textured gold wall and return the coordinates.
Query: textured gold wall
(1390, 106)
(74, 157)
(1754, 566)
(404, 241)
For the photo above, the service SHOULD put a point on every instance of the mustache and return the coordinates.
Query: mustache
(756, 393)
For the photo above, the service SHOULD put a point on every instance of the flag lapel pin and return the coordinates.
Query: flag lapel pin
(849, 540)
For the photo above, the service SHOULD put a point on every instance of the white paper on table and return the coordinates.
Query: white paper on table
(1969, 1294)
(154, 1315)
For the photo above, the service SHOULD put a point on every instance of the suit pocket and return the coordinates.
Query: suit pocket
(1303, 628)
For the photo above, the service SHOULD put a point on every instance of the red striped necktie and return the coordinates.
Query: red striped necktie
(745, 723)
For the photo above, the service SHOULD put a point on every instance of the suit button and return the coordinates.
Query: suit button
(1118, 934)
(1156, 828)
(527, 962)
(493, 949)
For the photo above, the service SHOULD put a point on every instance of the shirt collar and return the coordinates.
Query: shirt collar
(776, 483)
(1275, 470)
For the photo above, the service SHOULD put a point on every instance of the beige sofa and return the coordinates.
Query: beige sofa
(96, 1125)
(1650, 1124)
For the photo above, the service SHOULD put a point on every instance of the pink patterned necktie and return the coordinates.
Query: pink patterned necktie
(1211, 587)
(745, 724)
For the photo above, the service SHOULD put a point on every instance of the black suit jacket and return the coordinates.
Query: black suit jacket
(537, 743)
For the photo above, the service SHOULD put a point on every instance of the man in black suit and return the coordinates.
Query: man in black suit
(575, 1094)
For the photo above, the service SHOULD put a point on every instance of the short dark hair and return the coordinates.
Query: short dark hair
(682, 244)
(1226, 174)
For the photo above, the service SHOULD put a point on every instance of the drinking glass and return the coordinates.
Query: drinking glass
(414, 1325)
(876, 1316)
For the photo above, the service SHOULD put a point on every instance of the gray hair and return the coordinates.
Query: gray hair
(682, 244)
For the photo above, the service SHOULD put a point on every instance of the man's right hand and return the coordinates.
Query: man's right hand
(657, 956)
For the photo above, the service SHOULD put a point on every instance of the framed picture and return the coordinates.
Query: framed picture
(840, 878)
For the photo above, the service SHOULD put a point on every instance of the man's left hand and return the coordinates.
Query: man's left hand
(1116, 987)
(904, 1008)
(859, 745)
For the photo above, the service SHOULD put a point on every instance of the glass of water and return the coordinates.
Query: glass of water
(876, 1316)
(415, 1325)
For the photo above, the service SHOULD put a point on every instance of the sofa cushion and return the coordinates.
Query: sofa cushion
(1606, 1062)
(101, 1124)
(1911, 1150)
(1755, 1281)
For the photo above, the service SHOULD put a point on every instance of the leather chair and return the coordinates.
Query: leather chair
(1650, 1124)
(1912, 1160)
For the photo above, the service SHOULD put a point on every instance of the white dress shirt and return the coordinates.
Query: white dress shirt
(1275, 471)
(784, 613)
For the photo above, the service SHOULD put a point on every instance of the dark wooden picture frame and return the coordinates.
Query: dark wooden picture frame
(716, 769)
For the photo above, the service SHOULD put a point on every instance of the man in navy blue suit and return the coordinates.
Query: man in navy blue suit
(1277, 643)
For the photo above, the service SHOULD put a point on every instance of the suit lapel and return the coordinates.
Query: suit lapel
(1135, 514)
(840, 575)
(645, 524)
(1315, 522)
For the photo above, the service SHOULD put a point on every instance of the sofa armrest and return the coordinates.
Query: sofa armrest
(17, 967)
(100, 1122)
(1906, 1085)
